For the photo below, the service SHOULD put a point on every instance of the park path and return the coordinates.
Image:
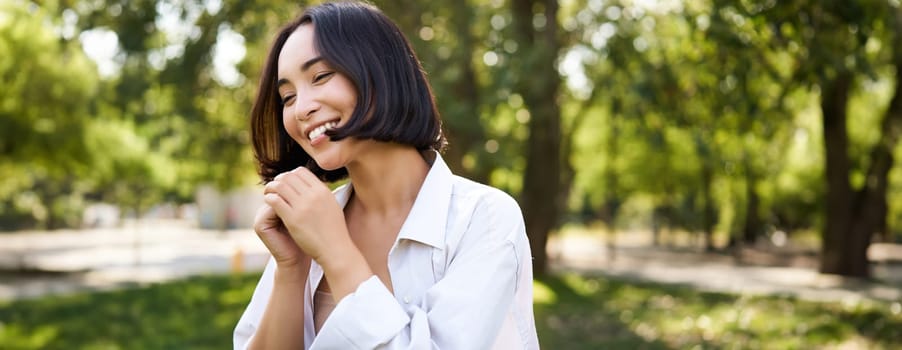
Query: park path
(753, 271)
(151, 251)
(62, 262)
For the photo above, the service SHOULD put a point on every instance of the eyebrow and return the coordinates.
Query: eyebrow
(304, 67)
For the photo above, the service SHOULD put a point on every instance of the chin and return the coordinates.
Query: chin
(329, 167)
(331, 156)
(328, 163)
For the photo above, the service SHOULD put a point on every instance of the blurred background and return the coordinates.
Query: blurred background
(693, 174)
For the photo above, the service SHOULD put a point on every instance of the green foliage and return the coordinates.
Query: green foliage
(689, 104)
(42, 120)
(150, 132)
(45, 85)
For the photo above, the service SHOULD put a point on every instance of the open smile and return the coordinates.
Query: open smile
(317, 131)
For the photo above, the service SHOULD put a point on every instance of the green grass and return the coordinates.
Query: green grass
(572, 312)
(197, 313)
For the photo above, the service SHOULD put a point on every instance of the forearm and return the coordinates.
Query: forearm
(282, 325)
(345, 269)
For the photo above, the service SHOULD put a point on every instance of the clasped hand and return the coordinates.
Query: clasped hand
(300, 217)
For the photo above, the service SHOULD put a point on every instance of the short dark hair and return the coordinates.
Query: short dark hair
(394, 101)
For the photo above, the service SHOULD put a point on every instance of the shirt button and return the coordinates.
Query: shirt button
(407, 300)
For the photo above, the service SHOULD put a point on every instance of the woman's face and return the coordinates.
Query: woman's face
(315, 98)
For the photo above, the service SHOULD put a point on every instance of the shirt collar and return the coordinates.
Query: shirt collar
(429, 214)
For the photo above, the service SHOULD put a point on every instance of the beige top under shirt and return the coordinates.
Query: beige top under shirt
(322, 307)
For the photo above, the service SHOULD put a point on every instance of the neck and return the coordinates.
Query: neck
(387, 178)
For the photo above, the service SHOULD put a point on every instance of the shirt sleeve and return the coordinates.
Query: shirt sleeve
(250, 319)
(464, 310)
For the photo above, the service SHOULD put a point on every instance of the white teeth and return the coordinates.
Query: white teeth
(321, 129)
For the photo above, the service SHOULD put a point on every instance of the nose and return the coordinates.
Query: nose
(305, 107)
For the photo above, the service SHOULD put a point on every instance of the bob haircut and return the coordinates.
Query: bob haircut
(394, 101)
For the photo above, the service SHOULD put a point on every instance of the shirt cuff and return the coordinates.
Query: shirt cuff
(364, 319)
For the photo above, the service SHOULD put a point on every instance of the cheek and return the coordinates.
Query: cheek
(291, 126)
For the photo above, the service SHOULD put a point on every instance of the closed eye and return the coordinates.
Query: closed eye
(322, 77)
(286, 100)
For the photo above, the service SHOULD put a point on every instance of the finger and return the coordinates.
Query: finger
(271, 186)
(281, 176)
(277, 203)
(284, 188)
(291, 179)
(266, 219)
(267, 213)
(307, 176)
(264, 211)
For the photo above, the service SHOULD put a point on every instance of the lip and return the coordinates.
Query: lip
(311, 127)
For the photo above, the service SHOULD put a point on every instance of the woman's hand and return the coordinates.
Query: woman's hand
(308, 210)
(315, 221)
(278, 241)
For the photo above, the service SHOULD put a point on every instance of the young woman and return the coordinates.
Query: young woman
(406, 255)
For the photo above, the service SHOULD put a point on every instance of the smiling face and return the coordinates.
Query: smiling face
(365, 79)
(315, 98)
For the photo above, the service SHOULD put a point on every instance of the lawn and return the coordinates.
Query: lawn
(572, 312)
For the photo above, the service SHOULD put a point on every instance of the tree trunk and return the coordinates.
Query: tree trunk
(656, 218)
(834, 98)
(883, 234)
(611, 206)
(706, 172)
(870, 204)
(709, 219)
(752, 226)
(852, 222)
(538, 83)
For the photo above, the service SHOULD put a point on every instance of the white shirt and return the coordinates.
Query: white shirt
(461, 269)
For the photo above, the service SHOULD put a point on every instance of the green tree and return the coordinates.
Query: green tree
(189, 126)
(43, 119)
(830, 44)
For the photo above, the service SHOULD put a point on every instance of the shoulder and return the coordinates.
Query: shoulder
(483, 195)
(486, 222)
(486, 208)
